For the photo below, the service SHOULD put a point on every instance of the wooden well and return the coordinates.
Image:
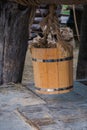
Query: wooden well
(53, 70)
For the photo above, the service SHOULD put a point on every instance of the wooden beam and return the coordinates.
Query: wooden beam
(69, 2)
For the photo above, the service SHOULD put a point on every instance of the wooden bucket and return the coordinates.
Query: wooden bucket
(53, 71)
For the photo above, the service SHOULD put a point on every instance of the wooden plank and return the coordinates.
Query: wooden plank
(69, 2)
(63, 2)
(52, 70)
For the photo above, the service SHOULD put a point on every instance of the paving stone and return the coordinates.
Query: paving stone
(10, 121)
(23, 109)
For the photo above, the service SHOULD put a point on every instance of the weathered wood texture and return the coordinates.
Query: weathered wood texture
(32, 2)
(82, 59)
(14, 22)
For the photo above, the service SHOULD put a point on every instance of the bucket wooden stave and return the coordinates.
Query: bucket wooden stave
(53, 71)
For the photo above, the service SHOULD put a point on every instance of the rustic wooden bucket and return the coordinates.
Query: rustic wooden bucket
(53, 70)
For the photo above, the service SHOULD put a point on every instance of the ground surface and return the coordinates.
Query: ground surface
(22, 109)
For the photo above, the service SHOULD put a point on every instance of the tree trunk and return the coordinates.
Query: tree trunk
(82, 59)
(14, 22)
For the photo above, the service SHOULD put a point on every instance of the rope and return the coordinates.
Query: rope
(75, 20)
(29, 2)
(52, 23)
(50, 26)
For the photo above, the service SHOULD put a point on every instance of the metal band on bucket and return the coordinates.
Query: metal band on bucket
(53, 90)
(52, 60)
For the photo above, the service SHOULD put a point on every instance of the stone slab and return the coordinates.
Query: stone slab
(21, 108)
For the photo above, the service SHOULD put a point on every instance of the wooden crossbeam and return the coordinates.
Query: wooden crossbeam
(69, 2)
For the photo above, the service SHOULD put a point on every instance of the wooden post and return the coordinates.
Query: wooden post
(14, 22)
(82, 59)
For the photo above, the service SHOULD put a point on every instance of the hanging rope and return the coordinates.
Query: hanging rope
(51, 28)
(29, 2)
(75, 20)
(51, 23)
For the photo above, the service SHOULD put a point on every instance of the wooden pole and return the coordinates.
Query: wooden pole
(82, 59)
